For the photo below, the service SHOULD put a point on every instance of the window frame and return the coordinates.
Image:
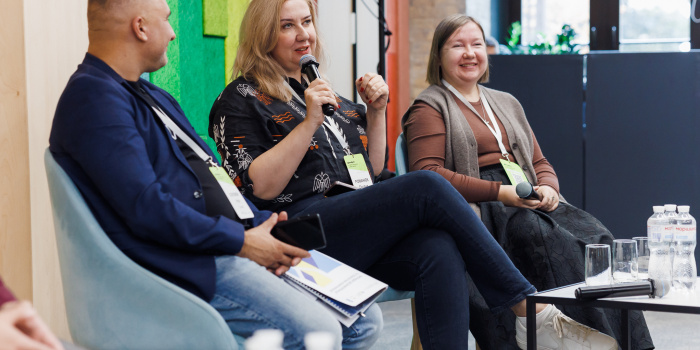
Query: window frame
(604, 23)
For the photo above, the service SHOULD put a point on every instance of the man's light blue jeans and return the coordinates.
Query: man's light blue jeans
(251, 298)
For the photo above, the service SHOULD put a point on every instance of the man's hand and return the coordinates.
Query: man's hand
(261, 247)
(21, 328)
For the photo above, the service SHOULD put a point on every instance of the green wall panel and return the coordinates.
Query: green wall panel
(202, 59)
(201, 56)
(168, 77)
(193, 74)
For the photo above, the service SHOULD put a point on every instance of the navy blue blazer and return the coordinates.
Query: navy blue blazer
(136, 180)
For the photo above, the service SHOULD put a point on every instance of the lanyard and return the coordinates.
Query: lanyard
(493, 126)
(328, 124)
(232, 193)
(177, 132)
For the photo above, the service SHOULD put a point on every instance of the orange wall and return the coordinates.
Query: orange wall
(398, 72)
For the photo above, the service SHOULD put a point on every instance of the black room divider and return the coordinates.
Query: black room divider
(622, 142)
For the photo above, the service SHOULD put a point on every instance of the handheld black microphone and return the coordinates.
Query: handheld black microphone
(309, 66)
(649, 287)
(526, 191)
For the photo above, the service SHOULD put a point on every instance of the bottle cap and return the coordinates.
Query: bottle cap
(265, 339)
(319, 340)
(658, 208)
(683, 208)
(670, 207)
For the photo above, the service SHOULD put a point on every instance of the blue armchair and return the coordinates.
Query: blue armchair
(401, 155)
(112, 302)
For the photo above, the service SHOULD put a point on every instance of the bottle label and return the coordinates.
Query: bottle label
(685, 233)
(668, 233)
(655, 233)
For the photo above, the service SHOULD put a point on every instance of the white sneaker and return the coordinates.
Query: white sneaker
(558, 331)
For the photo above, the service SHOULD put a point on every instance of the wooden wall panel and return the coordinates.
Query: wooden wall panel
(15, 235)
(56, 42)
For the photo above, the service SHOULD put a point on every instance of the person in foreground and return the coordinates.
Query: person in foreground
(152, 187)
(414, 232)
(21, 327)
(450, 131)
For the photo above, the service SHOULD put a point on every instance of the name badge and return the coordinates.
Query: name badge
(240, 206)
(514, 172)
(358, 170)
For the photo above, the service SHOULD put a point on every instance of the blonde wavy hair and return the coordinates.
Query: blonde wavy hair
(258, 36)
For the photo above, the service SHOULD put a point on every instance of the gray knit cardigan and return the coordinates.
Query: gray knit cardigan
(461, 151)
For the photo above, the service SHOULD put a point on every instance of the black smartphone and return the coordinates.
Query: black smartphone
(305, 232)
(338, 188)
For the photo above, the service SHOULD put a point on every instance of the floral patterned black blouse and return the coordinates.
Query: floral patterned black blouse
(245, 123)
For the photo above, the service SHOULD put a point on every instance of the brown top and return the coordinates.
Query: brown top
(425, 133)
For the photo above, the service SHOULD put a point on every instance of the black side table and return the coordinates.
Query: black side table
(673, 302)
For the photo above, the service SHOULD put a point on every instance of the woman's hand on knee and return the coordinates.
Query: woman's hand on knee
(550, 198)
(508, 196)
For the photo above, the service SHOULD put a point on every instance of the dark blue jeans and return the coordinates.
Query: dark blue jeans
(416, 232)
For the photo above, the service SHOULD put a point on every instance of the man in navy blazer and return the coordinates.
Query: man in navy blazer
(158, 201)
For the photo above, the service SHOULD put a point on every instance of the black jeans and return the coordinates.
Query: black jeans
(416, 232)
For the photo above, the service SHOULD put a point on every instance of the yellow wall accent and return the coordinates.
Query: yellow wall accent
(236, 10)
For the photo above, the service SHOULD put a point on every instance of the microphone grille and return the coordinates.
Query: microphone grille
(523, 189)
(306, 59)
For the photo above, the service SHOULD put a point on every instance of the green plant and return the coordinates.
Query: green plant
(513, 41)
(564, 43)
(562, 46)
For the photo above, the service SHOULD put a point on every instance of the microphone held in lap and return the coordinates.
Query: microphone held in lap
(526, 191)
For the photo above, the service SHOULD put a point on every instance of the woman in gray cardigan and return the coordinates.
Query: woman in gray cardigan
(480, 140)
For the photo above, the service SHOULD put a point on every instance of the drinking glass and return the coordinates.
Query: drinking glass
(598, 265)
(624, 260)
(642, 257)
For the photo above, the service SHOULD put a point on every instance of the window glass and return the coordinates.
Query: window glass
(546, 18)
(653, 25)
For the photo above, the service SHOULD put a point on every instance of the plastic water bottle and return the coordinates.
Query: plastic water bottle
(660, 233)
(671, 214)
(684, 269)
(319, 341)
